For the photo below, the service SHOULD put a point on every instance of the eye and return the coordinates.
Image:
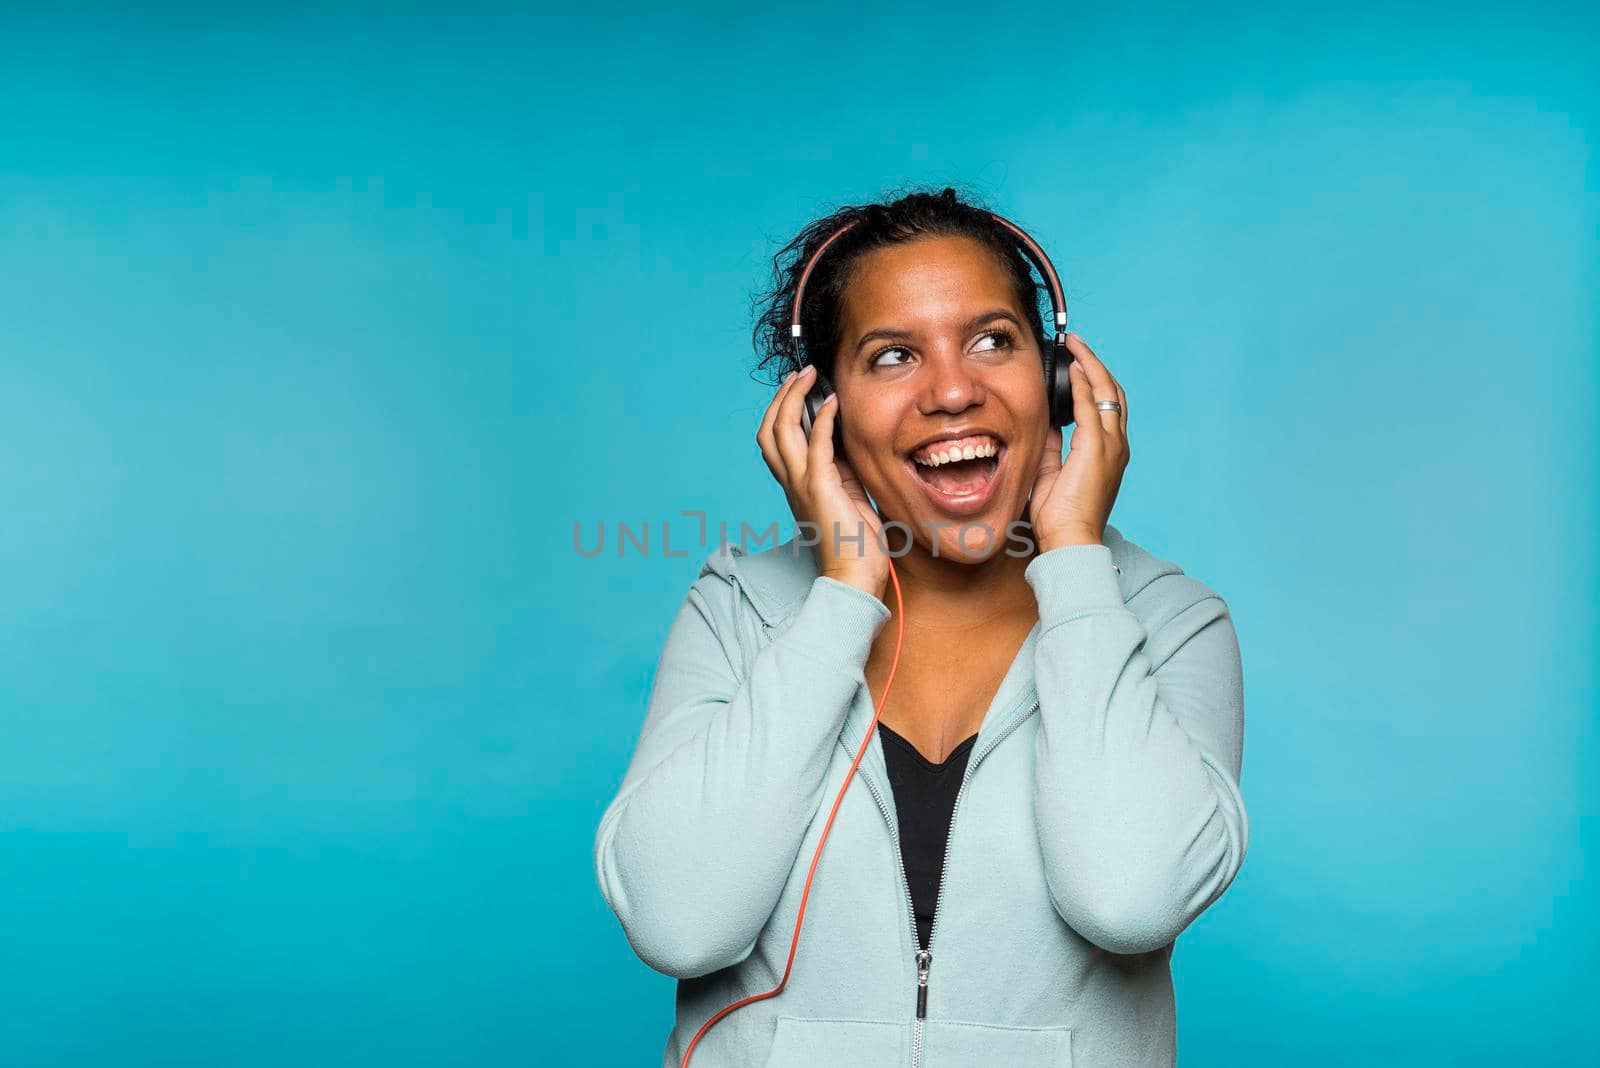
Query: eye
(1004, 340)
(878, 358)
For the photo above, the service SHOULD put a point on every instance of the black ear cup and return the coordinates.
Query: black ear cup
(821, 389)
(1058, 383)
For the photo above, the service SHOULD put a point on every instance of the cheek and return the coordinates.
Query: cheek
(869, 425)
(1025, 388)
(1027, 448)
(1027, 466)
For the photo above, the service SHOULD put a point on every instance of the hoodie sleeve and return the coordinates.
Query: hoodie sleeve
(693, 853)
(1141, 738)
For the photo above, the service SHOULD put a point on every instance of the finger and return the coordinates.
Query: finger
(1120, 425)
(1084, 413)
(819, 451)
(764, 434)
(1082, 354)
(870, 517)
(1102, 385)
(852, 481)
(786, 430)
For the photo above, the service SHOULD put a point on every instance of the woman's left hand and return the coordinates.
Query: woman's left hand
(1072, 501)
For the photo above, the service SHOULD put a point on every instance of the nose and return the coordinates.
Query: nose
(949, 385)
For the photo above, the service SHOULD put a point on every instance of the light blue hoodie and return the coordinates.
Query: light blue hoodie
(1100, 814)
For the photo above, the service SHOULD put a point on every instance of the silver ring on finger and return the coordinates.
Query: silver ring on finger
(1109, 406)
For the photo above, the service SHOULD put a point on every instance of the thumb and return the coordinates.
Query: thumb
(852, 483)
(1050, 458)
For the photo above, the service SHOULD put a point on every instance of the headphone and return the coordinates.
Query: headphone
(1057, 384)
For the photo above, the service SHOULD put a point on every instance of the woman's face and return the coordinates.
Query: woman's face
(935, 365)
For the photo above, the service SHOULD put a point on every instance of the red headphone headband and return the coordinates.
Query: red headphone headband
(1058, 302)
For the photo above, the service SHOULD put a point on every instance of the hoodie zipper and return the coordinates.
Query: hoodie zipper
(924, 957)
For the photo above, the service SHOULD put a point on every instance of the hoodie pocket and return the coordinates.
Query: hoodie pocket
(974, 1045)
(803, 1043)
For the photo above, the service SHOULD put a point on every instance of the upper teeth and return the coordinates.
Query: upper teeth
(944, 452)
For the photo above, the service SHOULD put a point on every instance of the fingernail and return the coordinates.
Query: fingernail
(790, 375)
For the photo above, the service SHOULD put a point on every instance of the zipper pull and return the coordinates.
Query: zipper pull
(924, 959)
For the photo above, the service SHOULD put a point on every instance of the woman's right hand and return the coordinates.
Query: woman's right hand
(823, 489)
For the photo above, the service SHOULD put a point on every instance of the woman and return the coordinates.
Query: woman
(1050, 796)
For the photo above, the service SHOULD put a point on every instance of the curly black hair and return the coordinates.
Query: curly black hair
(911, 215)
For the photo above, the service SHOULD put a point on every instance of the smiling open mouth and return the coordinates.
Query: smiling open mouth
(959, 476)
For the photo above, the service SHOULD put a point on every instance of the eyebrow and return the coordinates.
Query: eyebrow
(971, 324)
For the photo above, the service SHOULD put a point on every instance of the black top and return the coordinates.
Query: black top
(924, 799)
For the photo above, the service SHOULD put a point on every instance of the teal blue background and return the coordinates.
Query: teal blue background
(320, 329)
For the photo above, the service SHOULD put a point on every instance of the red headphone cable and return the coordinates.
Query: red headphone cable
(866, 740)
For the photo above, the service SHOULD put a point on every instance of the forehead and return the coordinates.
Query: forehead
(929, 278)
